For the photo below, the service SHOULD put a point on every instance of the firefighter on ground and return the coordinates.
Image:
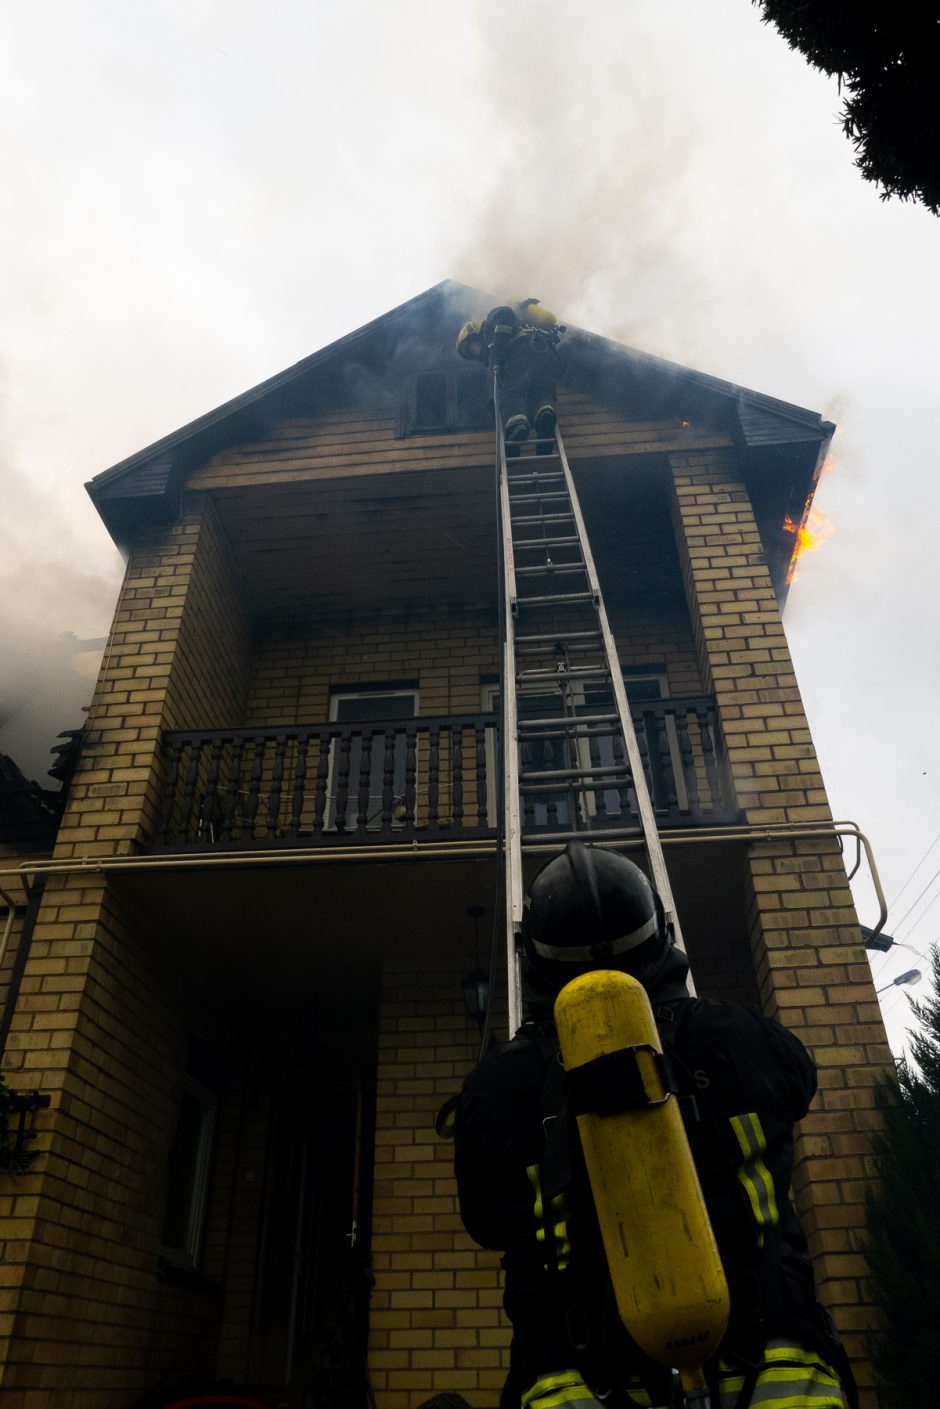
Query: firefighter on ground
(520, 339)
(743, 1081)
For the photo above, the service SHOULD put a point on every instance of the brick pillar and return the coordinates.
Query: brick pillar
(178, 657)
(436, 1322)
(102, 1019)
(811, 967)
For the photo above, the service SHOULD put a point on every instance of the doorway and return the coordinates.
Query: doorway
(314, 1297)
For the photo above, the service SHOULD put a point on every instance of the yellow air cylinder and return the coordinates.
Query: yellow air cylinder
(667, 1276)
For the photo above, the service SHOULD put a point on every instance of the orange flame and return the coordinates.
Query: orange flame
(809, 536)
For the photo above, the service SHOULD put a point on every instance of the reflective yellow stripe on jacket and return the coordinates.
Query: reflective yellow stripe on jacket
(565, 1387)
(789, 1378)
(753, 1172)
(555, 1226)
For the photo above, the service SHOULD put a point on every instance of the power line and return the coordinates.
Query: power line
(914, 872)
(924, 912)
(913, 906)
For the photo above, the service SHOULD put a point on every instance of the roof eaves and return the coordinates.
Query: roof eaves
(716, 385)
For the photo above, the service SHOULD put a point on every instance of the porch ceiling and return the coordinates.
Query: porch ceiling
(354, 544)
(345, 545)
(271, 939)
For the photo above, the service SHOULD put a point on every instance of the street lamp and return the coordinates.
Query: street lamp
(912, 976)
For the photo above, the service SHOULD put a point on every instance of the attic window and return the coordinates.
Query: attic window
(447, 399)
(431, 401)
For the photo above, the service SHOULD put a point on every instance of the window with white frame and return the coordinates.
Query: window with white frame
(362, 706)
(187, 1176)
(643, 684)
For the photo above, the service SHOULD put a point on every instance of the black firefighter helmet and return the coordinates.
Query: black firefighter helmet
(590, 908)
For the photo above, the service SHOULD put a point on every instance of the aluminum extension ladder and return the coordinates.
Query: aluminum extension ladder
(572, 764)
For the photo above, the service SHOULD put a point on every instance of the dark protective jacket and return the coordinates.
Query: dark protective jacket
(743, 1082)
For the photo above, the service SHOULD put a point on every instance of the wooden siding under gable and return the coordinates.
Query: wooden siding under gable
(344, 441)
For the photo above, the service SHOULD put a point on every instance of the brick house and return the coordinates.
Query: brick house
(237, 970)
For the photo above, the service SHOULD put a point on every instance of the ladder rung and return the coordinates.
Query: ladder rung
(575, 720)
(560, 638)
(591, 732)
(579, 672)
(620, 833)
(561, 789)
(617, 771)
(563, 599)
(548, 543)
(569, 649)
(535, 476)
(542, 519)
(515, 499)
(549, 568)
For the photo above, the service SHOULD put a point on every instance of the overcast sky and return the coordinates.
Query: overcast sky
(196, 193)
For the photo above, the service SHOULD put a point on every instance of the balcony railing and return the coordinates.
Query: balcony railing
(423, 779)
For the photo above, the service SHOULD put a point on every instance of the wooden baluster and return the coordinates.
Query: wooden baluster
(479, 734)
(277, 783)
(600, 793)
(175, 750)
(434, 775)
(189, 789)
(688, 758)
(323, 773)
(230, 810)
(342, 779)
(665, 760)
(365, 780)
(551, 799)
(388, 780)
(300, 778)
(411, 770)
(258, 745)
(702, 714)
(456, 775)
(209, 812)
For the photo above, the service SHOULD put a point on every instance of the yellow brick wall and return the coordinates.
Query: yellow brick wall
(444, 654)
(101, 1027)
(659, 636)
(436, 1322)
(808, 955)
(177, 657)
(101, 1023)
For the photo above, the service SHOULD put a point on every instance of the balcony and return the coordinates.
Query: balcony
(427, 779)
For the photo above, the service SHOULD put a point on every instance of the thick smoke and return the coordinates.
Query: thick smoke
(56, 603)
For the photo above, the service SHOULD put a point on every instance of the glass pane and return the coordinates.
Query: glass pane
(643, 687)
(183, 1173)
(364, 707)
(474, 402)
(430, 400)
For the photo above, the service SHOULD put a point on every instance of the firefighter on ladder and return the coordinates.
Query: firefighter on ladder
(520, 339)
(742, 1081)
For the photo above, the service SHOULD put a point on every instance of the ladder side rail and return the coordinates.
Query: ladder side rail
(657, 863)
(512, 820)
